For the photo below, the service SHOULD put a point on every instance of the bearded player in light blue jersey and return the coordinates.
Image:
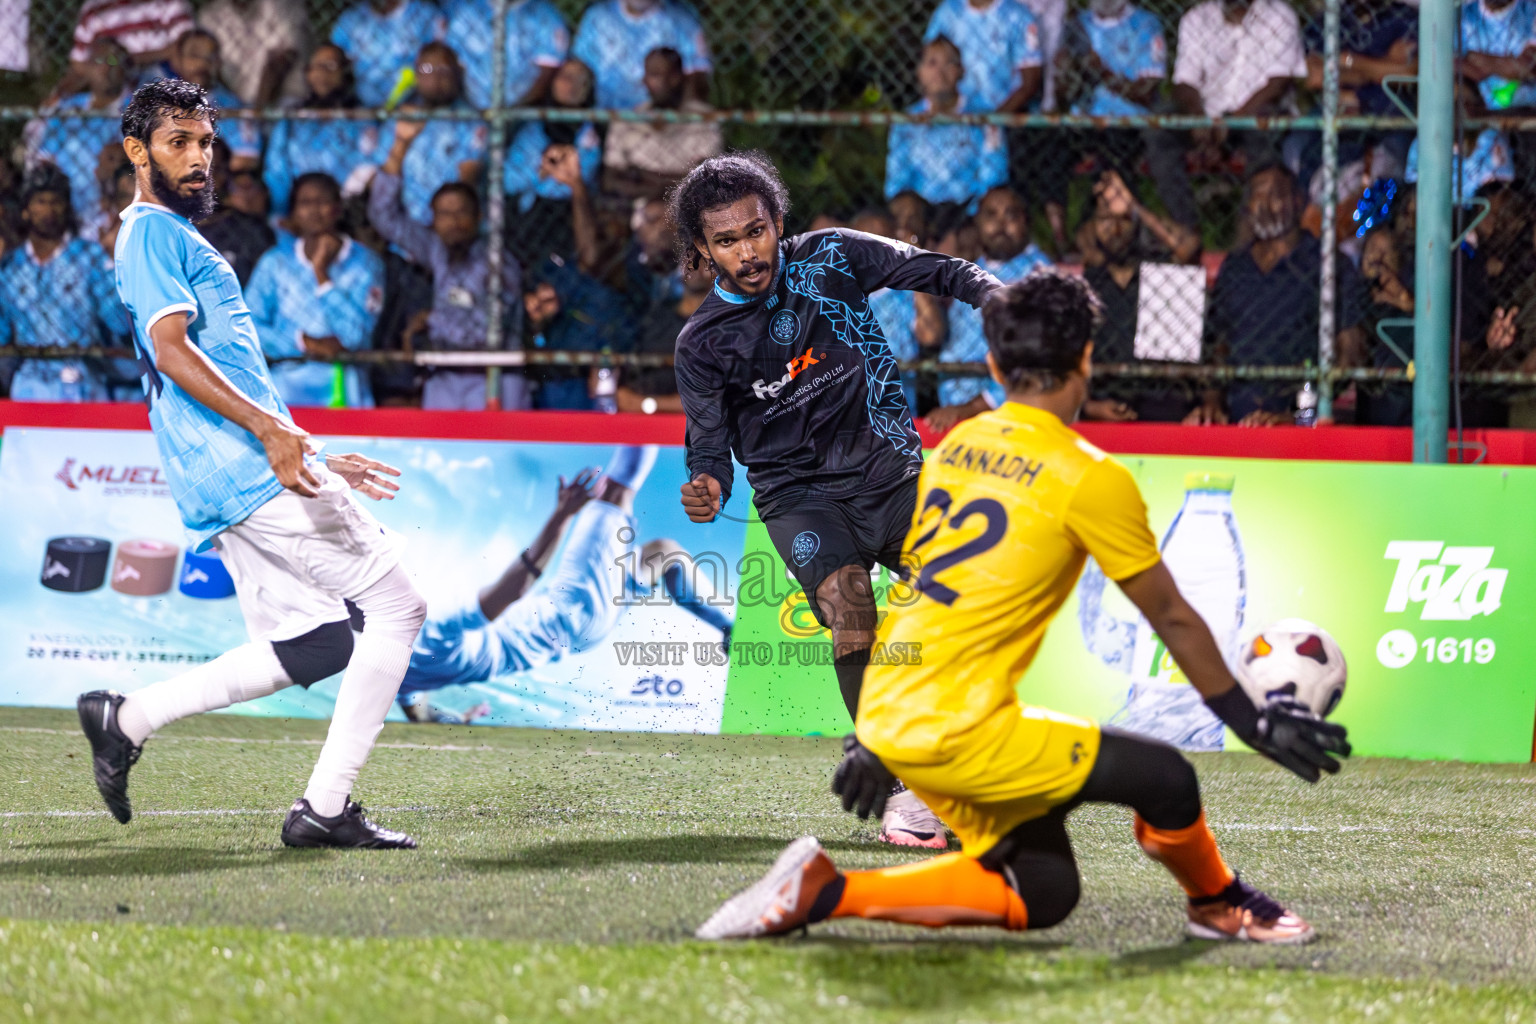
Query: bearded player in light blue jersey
(248, 482)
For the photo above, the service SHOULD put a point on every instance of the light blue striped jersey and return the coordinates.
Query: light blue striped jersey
(945, 163)
(217, 471)
(613, 43)
(383, 45)
(1131, 46)
(287, 303)
(967, 343)
(433, 159)
(1502, 33)
(994, 44)
(537, 38)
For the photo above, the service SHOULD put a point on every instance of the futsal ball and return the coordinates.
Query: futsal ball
(1295, 658)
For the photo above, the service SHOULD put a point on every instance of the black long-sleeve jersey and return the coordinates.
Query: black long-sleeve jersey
(800, 383)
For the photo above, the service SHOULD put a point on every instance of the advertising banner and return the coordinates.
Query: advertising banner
(1422, 573)
(99, 590)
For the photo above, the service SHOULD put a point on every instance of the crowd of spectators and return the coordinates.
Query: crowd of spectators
(367, 229)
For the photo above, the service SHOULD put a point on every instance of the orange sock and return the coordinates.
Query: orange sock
(952, 889)
(1189, 854)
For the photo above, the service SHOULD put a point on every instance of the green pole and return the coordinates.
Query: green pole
(496, 196)
(1432, 267)
(1328, 285)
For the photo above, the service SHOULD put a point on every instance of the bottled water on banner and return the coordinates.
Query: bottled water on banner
(1204, 552)
(605, 396)
(1306, 406)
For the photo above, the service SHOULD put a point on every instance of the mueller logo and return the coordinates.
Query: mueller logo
(795, 367)
(140, 476)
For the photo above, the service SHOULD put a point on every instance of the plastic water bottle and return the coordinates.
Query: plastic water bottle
(1204, 552)
(1306, 405)
(605, 395)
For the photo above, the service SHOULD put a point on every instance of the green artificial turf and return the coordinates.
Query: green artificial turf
(561, 874)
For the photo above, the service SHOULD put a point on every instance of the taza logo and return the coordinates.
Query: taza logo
(1453, 583)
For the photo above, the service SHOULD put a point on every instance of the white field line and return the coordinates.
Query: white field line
(211, 813)
(285, 742)
(1231, 826)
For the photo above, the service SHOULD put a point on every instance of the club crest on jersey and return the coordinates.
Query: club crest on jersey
(784, 328)
(805, 547)
(796, 366)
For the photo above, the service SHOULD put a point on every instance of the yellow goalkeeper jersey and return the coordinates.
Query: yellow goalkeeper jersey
(1009, 507)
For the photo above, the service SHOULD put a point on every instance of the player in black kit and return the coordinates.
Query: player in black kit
(784, 365)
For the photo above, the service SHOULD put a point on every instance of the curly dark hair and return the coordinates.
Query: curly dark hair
(721, 181)
(1037, 328)
(156, 99)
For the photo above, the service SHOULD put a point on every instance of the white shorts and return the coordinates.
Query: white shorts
(294, 559)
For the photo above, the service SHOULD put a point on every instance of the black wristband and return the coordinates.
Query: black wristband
(1236, 709)
(528, 564)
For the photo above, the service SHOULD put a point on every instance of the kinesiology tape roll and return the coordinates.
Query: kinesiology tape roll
(75, 564)
(144, 568)
(204, 576)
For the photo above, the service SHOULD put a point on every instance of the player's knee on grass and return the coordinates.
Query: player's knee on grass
(1050, 888)
(1152, 778)
(1036, 860)
(318, 654)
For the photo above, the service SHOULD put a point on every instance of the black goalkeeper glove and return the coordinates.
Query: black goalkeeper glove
(1285, 731)
(861, 780)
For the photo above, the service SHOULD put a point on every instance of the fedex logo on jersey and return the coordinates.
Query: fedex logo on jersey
(795, 367)
(1454, 583)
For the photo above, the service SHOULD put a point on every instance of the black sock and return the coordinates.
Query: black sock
(828, 899)
(850, 677)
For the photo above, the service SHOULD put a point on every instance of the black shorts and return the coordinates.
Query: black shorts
(817, 536)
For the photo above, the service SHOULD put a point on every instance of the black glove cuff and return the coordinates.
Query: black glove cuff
(1236, 709)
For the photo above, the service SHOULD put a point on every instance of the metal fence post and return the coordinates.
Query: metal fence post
(1328, 285)
(1432, 270)
(496, 200)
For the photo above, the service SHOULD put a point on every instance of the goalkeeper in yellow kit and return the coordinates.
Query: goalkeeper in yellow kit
(1009, 507)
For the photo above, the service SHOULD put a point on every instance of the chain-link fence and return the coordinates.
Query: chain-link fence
(1185, 157)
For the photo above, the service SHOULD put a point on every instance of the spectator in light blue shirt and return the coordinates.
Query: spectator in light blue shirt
(527, 176)
(315, 295)
(335, 147)
(944, 163)
(1002, 225)
(1112, 63)
(456, 254)
(447, 150)
(1000, 46)
(383, 37)
(196, 58)
(56, 291)
(1496, 36)
(75, 144)
(537, 42)
(615, 35)
(1124, 60)
(1489, 160)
